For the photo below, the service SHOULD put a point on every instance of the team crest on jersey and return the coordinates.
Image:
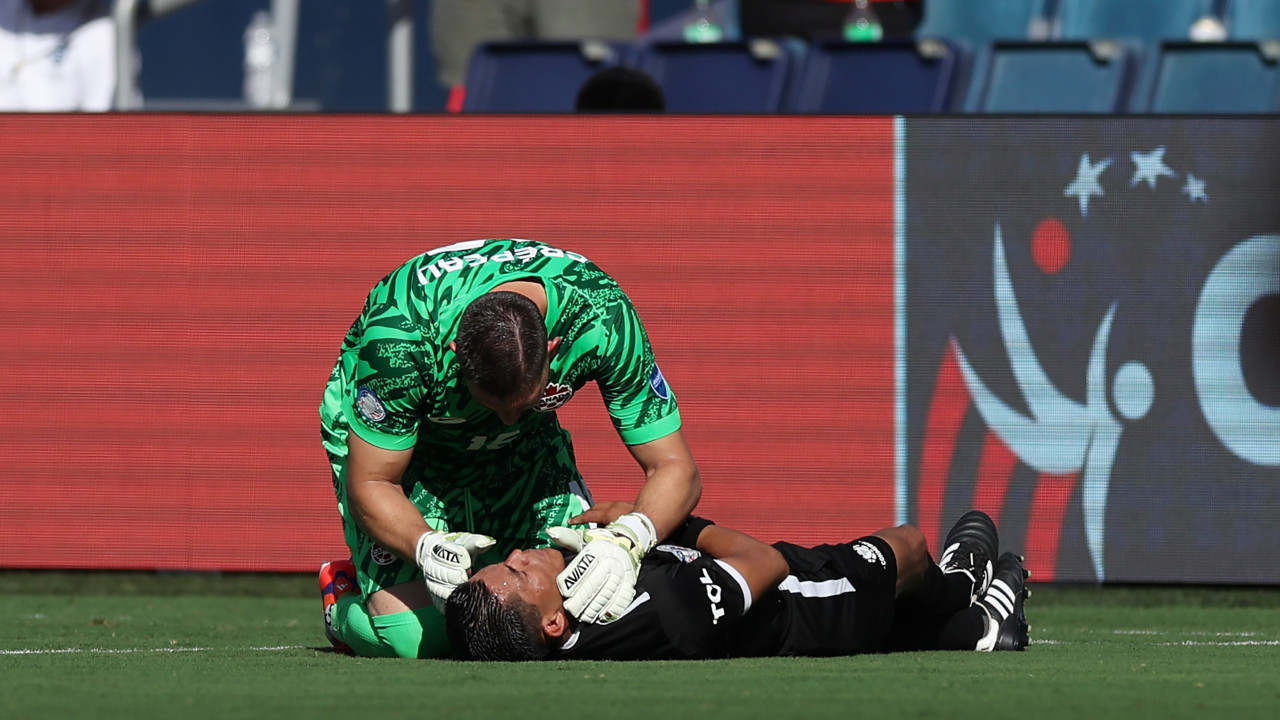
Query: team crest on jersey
(659, 383)
(683, 554)
(869, 552)
(554, 396)
(370, 406)
(381, 555)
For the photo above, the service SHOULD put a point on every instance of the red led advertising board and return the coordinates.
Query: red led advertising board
(175, 290)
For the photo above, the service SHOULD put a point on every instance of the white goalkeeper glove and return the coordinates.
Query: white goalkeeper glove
(600, 582)
(445, 559)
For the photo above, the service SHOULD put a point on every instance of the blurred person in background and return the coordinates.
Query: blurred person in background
(710, 592)
(440, 423)
(823, 19)
(620, 89)
(56, 55)
(458, 26)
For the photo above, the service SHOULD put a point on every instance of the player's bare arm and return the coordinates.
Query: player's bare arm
(761, 565)
(378, 503)
(672, 485)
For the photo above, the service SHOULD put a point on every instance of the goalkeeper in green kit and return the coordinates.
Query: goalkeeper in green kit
(439, 422)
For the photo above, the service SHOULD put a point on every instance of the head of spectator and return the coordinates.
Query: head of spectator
(620, 90)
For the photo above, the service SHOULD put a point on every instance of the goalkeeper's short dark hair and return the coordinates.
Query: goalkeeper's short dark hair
(502, 344)
(481, 627)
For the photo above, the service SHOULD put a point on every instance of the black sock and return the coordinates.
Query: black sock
(963, 630)
(960, 631)
(939, 594)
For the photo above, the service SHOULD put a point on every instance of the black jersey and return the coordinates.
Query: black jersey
(837, 600)
(685, 607)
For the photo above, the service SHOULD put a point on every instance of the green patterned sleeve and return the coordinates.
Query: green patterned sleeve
(640, 403)
(388, 385)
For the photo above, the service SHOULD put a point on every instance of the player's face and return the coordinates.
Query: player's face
(528, 574)
(511, 410)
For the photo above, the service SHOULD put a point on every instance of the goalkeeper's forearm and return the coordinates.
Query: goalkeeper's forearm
(673, 486)
(376, 500)
(387, 516)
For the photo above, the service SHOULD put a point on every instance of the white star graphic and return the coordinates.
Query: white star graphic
(1150, 167)
(1194, 189)
(1086, 182)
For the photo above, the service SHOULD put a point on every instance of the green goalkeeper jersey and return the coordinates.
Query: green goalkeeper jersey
(397, 384)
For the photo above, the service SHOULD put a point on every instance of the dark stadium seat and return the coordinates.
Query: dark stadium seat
(974, 24)
(535, 77)
(1253, 19)
(1149, 21)
(732, 77)
(878, 78)
(1055, 77)
(1231, 77)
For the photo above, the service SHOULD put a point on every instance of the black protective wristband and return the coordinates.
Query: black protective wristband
(687, 534)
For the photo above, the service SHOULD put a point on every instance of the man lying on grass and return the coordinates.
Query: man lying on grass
(711, 592)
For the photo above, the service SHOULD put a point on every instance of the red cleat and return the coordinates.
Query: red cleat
(337, 578)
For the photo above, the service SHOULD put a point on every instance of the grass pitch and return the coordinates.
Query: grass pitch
(136, 645)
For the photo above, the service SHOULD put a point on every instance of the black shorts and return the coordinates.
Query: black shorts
(837, 600)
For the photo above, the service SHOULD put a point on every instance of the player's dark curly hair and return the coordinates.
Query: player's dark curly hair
(502, 344)
(482, 628)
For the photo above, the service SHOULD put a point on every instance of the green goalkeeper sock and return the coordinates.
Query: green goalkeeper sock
(410, 634)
